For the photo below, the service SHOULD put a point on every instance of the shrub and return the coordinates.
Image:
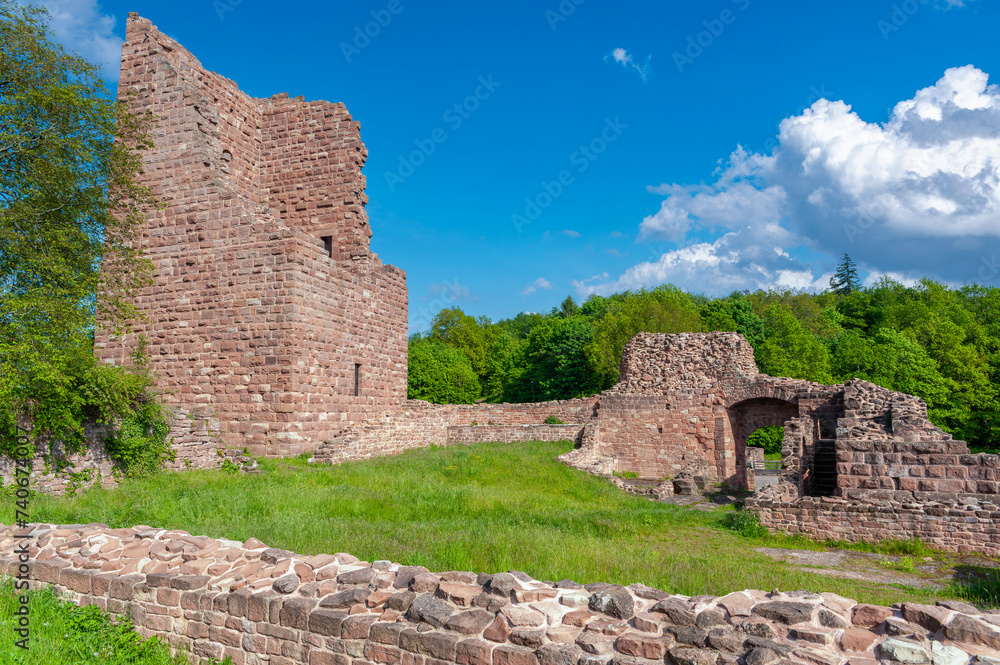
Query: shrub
(552, 420)
(747, 524)
(768, 438)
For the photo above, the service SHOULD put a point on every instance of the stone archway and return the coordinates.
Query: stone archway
(748, 416)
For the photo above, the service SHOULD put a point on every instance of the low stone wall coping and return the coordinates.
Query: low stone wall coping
(260, 605)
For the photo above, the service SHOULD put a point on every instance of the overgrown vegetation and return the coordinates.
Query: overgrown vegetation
(71, 206)
(485, 507)
(936, 342)
(768, 438)
(64, 634)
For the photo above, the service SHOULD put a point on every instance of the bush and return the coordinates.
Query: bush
(768, 438)
(552, 420)
(747, 524)
(60, 404)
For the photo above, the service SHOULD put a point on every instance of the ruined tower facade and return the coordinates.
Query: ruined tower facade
(269, 315)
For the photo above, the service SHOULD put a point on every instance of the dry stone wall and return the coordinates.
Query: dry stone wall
(966, 524)
(267, 302)
(418, 424)
(261, 605)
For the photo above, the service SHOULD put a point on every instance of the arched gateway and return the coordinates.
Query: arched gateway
(692, 400)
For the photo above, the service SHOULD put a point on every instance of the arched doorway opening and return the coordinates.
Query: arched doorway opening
(747, 417)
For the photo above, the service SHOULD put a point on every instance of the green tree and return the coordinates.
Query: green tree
(845, 280)
(439, 373)
(469, 335)
(665, 309)
(894, 361)
(789, 349)
(568, 307)
(733, 314)
(71, 208)
(555, 364)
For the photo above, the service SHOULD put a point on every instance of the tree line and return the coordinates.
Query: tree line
(939, 343)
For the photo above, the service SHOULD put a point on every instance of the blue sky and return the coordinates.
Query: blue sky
(524, 151)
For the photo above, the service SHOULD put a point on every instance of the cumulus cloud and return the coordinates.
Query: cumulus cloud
(918, 195)
(82, 27)
(749, 258)
(540, 283)
(571, 233)
(625, 59)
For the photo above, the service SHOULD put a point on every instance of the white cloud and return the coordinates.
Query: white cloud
(540, 283)
(81, 27)
(571, 233)
(750, 258)
(917, 195)
(625, 59)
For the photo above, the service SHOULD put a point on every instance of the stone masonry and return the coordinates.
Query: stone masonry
(269, 310)
(262, 605)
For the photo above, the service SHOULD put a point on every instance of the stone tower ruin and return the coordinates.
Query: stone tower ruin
(270, 316)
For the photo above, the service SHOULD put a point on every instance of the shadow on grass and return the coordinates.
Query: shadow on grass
(978, 585)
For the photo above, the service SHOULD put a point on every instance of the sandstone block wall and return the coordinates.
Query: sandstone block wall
(966, 525)
(511, 433)
(262, 605)
(418, 424)
(267, 296)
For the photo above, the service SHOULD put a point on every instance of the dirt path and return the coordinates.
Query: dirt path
(920, 572)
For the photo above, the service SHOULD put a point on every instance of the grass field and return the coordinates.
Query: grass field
(484, 508)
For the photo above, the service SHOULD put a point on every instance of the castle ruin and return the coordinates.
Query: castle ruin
(272, 326)
(270, 320)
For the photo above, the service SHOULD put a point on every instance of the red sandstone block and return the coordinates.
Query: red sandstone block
(513, 655)
(327, 658)
(474, 652)
(77, 580)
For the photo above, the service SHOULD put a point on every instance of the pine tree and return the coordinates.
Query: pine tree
(845, 280)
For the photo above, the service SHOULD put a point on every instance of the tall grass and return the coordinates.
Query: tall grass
(63, 634)
(484, 508)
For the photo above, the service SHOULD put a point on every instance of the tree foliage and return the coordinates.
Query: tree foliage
(845, 280)
(71, 207)
(440, 373)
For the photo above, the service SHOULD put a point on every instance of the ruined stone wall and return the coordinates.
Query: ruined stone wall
(655, 438)
(418, 424)
(250, 314)
(56, 470)
(655, 364)
(512, 433)
(690, 397)
(259, 605)
(966, 525)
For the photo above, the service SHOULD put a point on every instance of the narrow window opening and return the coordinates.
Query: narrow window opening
(357, 379)
(328, 245)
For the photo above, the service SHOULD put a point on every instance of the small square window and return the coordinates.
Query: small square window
(328, 245)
